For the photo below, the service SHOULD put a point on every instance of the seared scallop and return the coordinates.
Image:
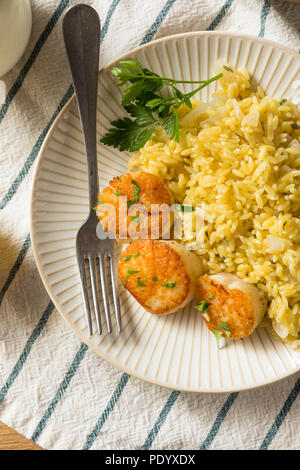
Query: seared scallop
(230, 306)
(160, 275)
(125, 206)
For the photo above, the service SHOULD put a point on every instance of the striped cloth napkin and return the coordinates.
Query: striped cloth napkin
(53, 389)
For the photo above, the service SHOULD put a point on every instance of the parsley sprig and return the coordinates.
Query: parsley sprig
(147, 109)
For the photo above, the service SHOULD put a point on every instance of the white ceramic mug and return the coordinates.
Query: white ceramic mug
(15, 29)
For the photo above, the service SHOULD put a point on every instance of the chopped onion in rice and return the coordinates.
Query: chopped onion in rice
(294, 147)
(238, 112)
(251, 119)
(189, 119)
(217, 100)
(279, 329)
(206, 123)
(217, 113)
(274, 244)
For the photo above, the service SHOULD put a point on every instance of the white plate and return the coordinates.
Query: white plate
(174, 351)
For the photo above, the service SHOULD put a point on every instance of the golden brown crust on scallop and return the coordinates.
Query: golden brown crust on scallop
(150, 191)
(231, 306)
(158, 266)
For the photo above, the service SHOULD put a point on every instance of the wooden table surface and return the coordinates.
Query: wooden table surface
(11, 440)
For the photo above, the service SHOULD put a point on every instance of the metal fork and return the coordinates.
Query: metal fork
(81, 31)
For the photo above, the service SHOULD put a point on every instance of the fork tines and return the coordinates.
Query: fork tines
(96, 267)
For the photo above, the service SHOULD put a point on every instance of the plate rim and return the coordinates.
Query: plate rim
(64, 109)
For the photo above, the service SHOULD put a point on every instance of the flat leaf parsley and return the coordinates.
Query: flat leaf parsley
(147, 109)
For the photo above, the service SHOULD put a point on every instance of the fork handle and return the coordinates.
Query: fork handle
(81, 31)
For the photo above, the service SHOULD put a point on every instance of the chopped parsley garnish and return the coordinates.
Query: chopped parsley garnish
(140, 283)
(295, 126)
(256, 284)
(101, 203)
(132, 271)
(202, 307)
(210, 296)
(127, 258)
(151, 192)
(146, 107)
(218, 335)
(117, 193)
(155, 278)
(282, 101)
(170, 285)
(224, 325)
(227, 68)
(186, 163)
(136, 255)
(136, 218)
(136, 191)
(118, 178)
(136, 194)
(125, 280)
(223, 260)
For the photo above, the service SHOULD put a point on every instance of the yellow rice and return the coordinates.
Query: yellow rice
(240, 156)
